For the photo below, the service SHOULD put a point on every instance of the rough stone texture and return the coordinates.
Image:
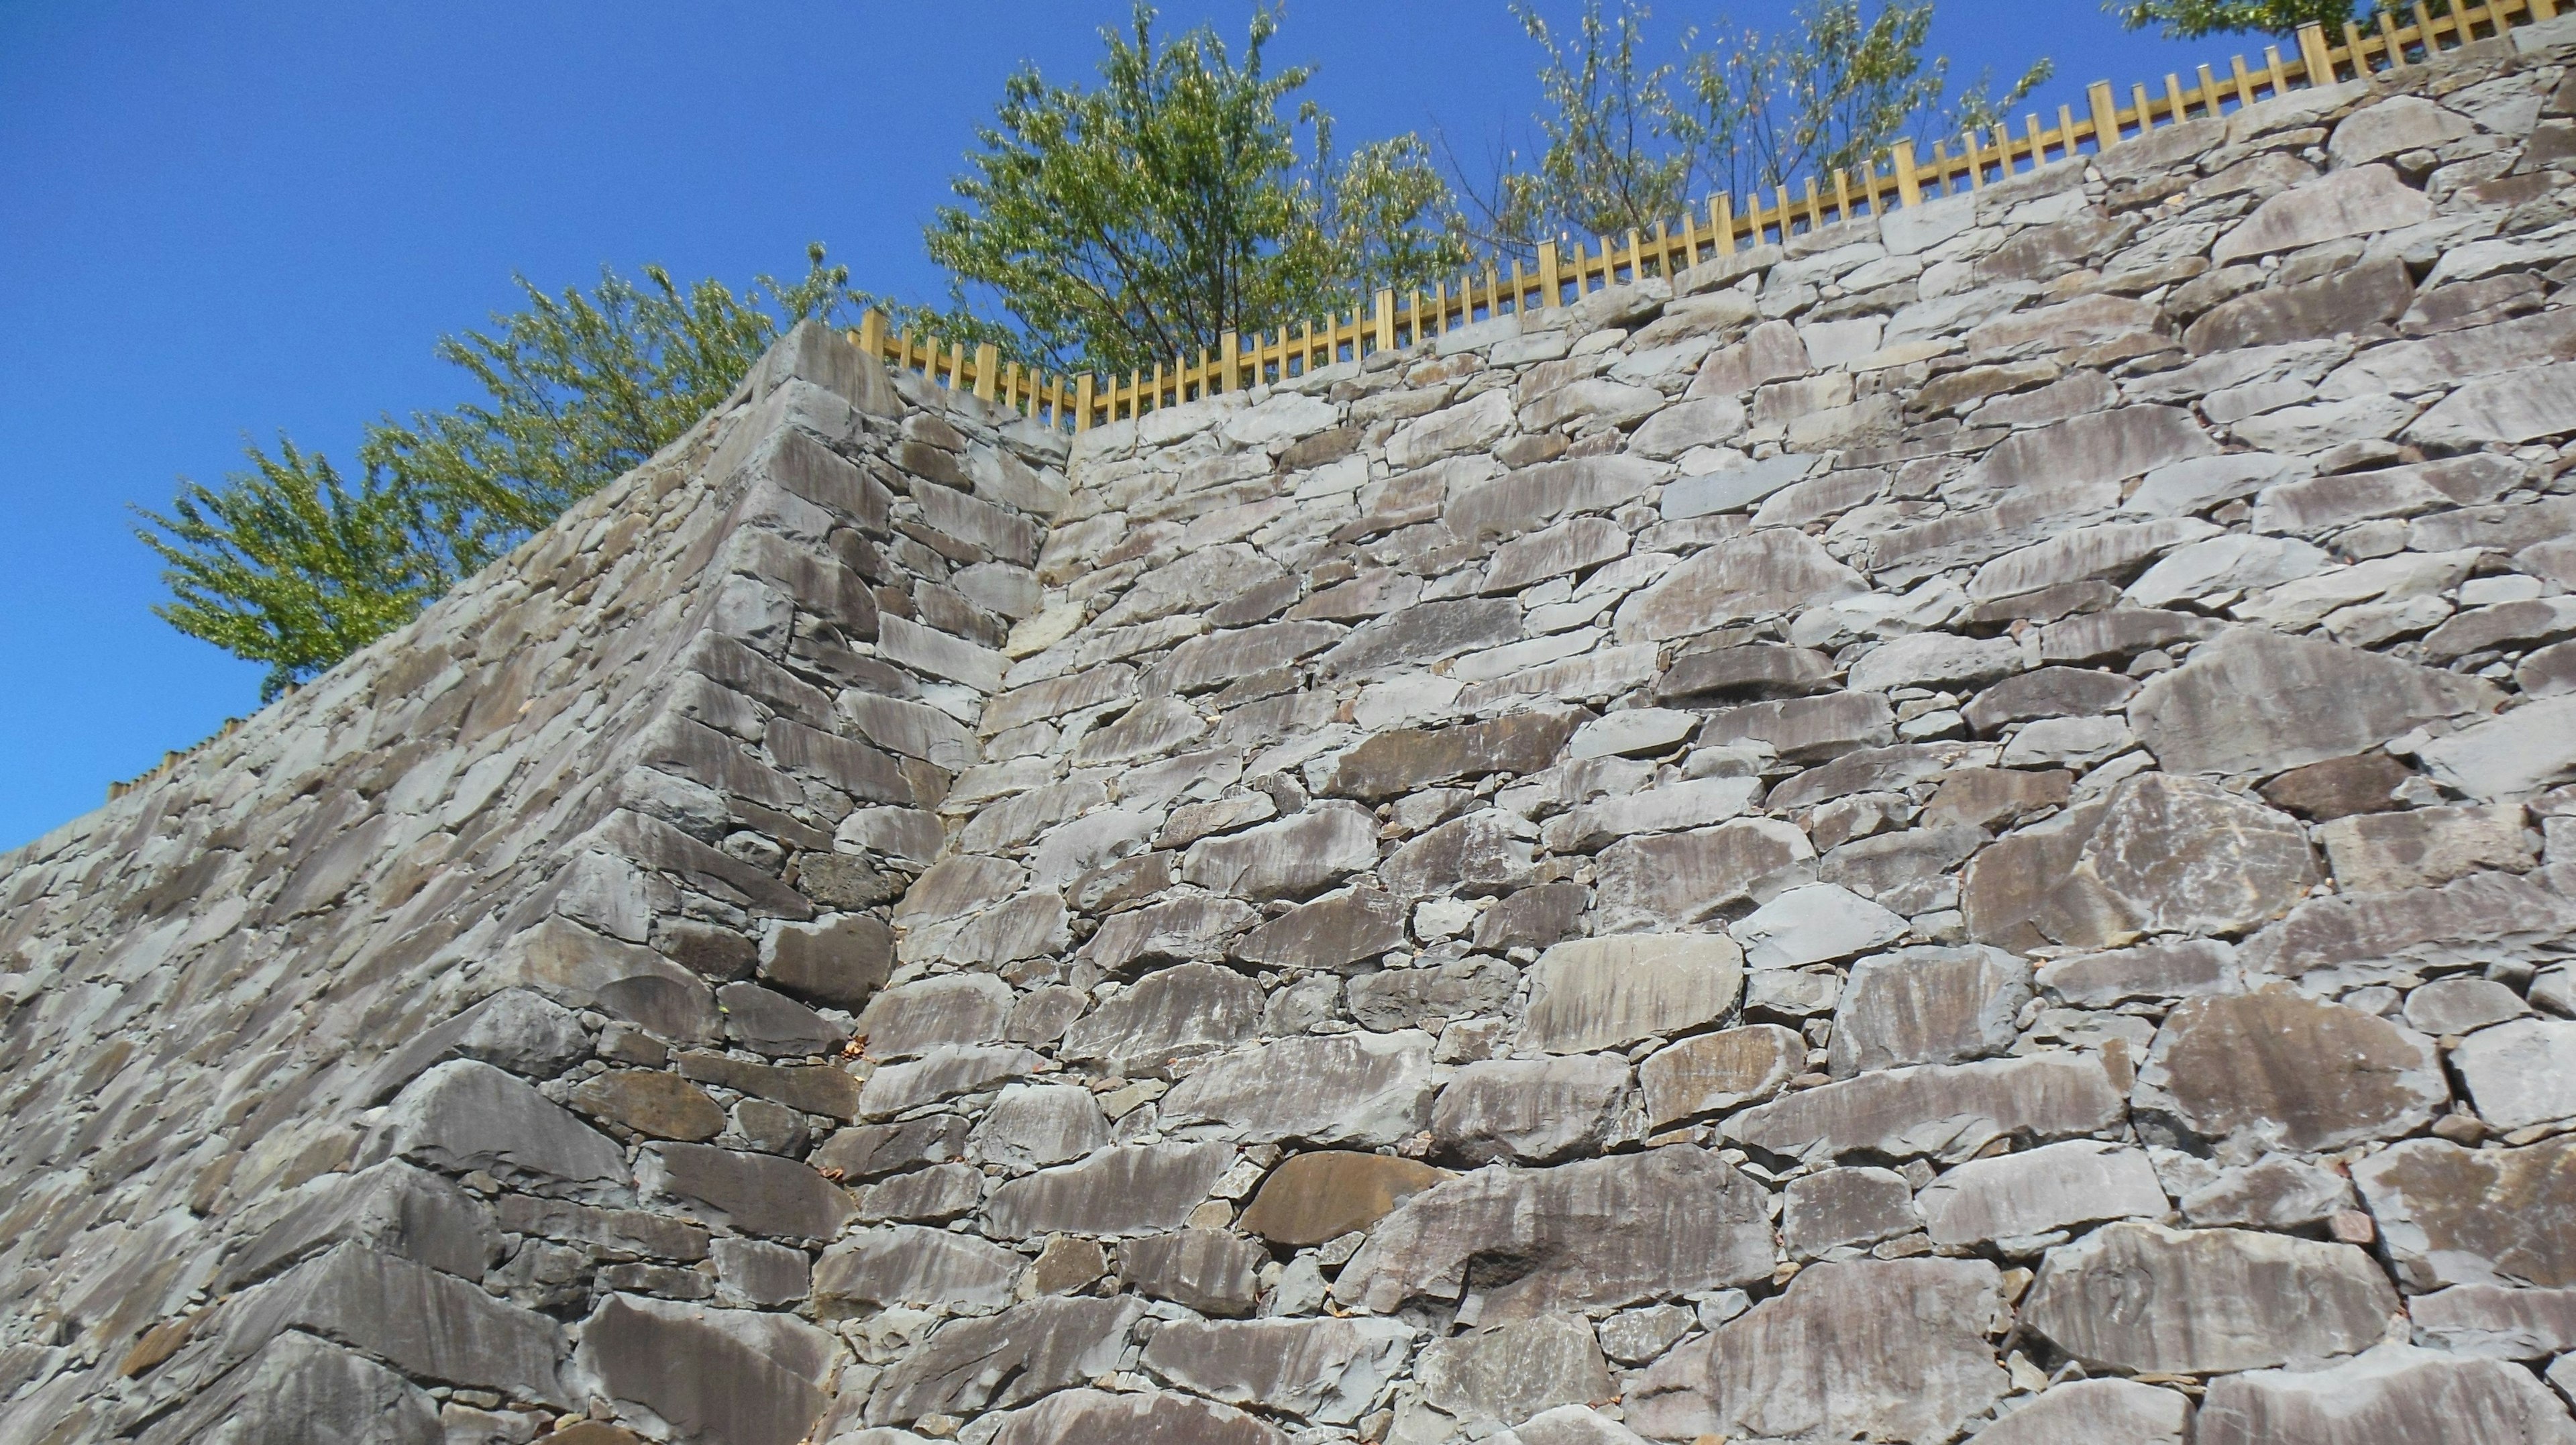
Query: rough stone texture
(890, 864)
(1605, 1232)
(2392, 1393)
(2144, 1297)
(2090, 1410)
(1880, 1351)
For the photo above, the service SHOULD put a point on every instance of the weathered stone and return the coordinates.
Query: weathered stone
(1326, 1370)
(2513, 756)
(1703, 421)
(2045, 693)
(1127, 1190)
(1425, 633)
(2517, 406)
(515, 1030)
(1506, 1373)
(1323, 1195)
(2394, 1392)
(2106, 447)
(2020, 1196)
(1333, 932)
(2082, 1412)
(1874, 1350)
(1172, 1017)
(2275, 1192)
(1532, 497)
(1604, 1232)
(841, 963)
(2278, 1069)
(2255, 701)
(467, 1115)
(2149, 971)
(391, 1208)
(1749, 671)
(943, 1072)
(2423, 847)
(2351, 202)
(1208, 1270)
(1428, 996)
(1733, 488)
(2476, 919)
(910, 1267)
(423, 1322)
(2474, 1216)
(299, 1391)
(1486, 853)
(814, 1089)
(1835, 1207)
(2339, 787)
(1393, 763)
(1294, 858)
(2492, 1320)
(1596, 993)
(1685, 878)
(1529, 1111)
(759, 1193)
(1692, 803)
(1183, 930)
(2146, 1298)
(1146, 1419)
(1769, 572)
(1031, 1126)
(663, 1106)
(2345, 301)
(2521, 1073)
(1948, 1111)
(1533, 917)
(1362, 1089)
(1570, 546)
(1927, 1006)
(1469, 426)
(1813, 924)
(1007, 1359)
(1716, 1072)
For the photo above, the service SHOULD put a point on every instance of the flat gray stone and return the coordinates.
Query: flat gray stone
(1835, 1207)
(2252, 701)
(467, 1115)
(2024, 1195)
(1343, 1089)
(2451, 1215)
(1945, 1110)
(1504, 1374)
(2281, 1070)
(1871, 1350)
(2392, 1393)
(1169, 1019)
(912, 1267)
(2521, 1073)
(1716, 1072)
(2082, 1412)
(1324, 1370)
(2146, 1298)
(758, 1193)
(1596, 993)
(1021, 1354)
(1767, 573)
(425, 1323)
(1137, 1419)
(1529, 1111)
(1927, 1006)
(749, 1375)
(1208, 1270)
(1127, 1190)
(1605, 1232)
(1296, 857)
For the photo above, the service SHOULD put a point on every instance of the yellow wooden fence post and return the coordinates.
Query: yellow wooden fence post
(988, 369)
(2106, 118)
(1230, 346)
(872, 333)
(1909, 186)
(1082, 402)
(1551, 284)
(1386, 318)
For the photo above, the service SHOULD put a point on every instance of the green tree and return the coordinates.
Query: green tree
(290, 565)
(1628, 142)
(2193, 19)
(1179, 200)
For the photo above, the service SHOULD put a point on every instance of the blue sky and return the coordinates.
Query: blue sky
(221, 219)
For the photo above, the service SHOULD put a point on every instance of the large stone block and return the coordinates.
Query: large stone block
(1946, 1111)
(2021, 1196)
(1171, 1018)
(749, 1375)
(2253, 701)
(912, 1267)
(1127, 1190)
(2082, 1412)
(1765, 574)
(1294, 858)
(2142, 1297)
(1529, 1111)
(1019, 1355)
(1135, 1419)
(300, 1391)
(1503, 1374)
(2475, 1216)
(425, 1323)
(1393, 763)
(1605, 1232)
(2281, 1070)
(392, 1208)
(1324, 1370)
(466, 1115)
(1597, 993)
(759, 1193)
(1895, 1350)
(1326, 1194)
(1341, 1089)
(2521, 1073)
(2393, 1393)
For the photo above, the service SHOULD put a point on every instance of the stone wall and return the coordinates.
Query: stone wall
(1959, 827)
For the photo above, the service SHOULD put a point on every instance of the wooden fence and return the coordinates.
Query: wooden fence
(1564, 270)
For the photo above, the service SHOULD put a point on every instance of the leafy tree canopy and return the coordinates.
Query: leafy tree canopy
(1628, 141)
(2193, 19)
(292, 565)
(1181, 199)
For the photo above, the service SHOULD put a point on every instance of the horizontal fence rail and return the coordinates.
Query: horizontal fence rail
(1564, 270)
